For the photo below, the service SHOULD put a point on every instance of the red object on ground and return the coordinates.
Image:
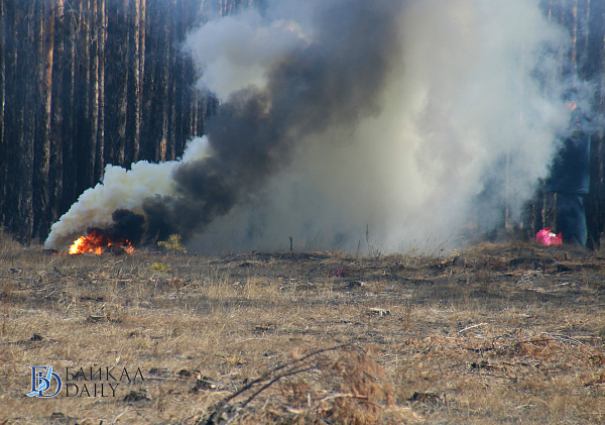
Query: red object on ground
(547, 237)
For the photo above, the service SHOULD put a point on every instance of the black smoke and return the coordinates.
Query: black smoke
(333, 81)
(126, 226)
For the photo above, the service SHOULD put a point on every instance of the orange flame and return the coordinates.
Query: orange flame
(95, 242)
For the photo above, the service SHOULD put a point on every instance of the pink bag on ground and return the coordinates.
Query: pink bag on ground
(547, 238)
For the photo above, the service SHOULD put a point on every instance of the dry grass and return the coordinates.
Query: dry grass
(497, 334)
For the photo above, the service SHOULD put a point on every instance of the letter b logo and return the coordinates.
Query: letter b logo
(45, 382)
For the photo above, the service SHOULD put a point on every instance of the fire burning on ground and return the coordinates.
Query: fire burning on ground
(97, 242)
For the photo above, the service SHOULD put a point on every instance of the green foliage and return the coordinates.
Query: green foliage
(174, 243)
(159, 267)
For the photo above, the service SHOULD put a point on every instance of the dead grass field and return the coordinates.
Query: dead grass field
(497, 334)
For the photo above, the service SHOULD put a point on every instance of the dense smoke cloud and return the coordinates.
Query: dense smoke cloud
(331, 75)
(405, 119)
(468, 112)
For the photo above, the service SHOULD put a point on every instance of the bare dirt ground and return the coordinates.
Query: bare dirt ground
(496, 334)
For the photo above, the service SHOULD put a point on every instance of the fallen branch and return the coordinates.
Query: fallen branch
(274, 380)
(344, 395)
(471, 327)
(563, 338)
(267, 379)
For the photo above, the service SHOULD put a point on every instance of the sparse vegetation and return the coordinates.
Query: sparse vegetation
(496, 334)
(159, 267)
(174, 243)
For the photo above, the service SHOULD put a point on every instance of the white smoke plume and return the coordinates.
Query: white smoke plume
(407, 120)
(237, 51)
(468, 123)
(120, 189)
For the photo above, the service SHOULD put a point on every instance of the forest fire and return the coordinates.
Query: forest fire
(97, 242)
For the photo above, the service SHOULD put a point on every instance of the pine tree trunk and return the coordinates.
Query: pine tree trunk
(139, 74)
(151, 127)
(165, 147)
(55, 177)
(94, 95)
(9, 31)
(25, 127)
(598, 148)
(69, 109)
(101, 24)
(82, 142)
(120, 148)
(2, 108)
(46, 49)
(574, 37)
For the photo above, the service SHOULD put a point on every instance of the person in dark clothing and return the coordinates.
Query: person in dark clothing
(570, 177)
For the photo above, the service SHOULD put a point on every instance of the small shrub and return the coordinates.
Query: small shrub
(174, 243)
(159, 267)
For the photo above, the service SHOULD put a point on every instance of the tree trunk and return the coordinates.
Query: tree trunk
(139, 74)
(69, 108)
(101, 24)
(166, 145)
(2, 106)
(24, 175)
(574, 37)
(83, 150)
(46, 49)
(9, 31)
(94, 95)
(55, 177)
(151, 130)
